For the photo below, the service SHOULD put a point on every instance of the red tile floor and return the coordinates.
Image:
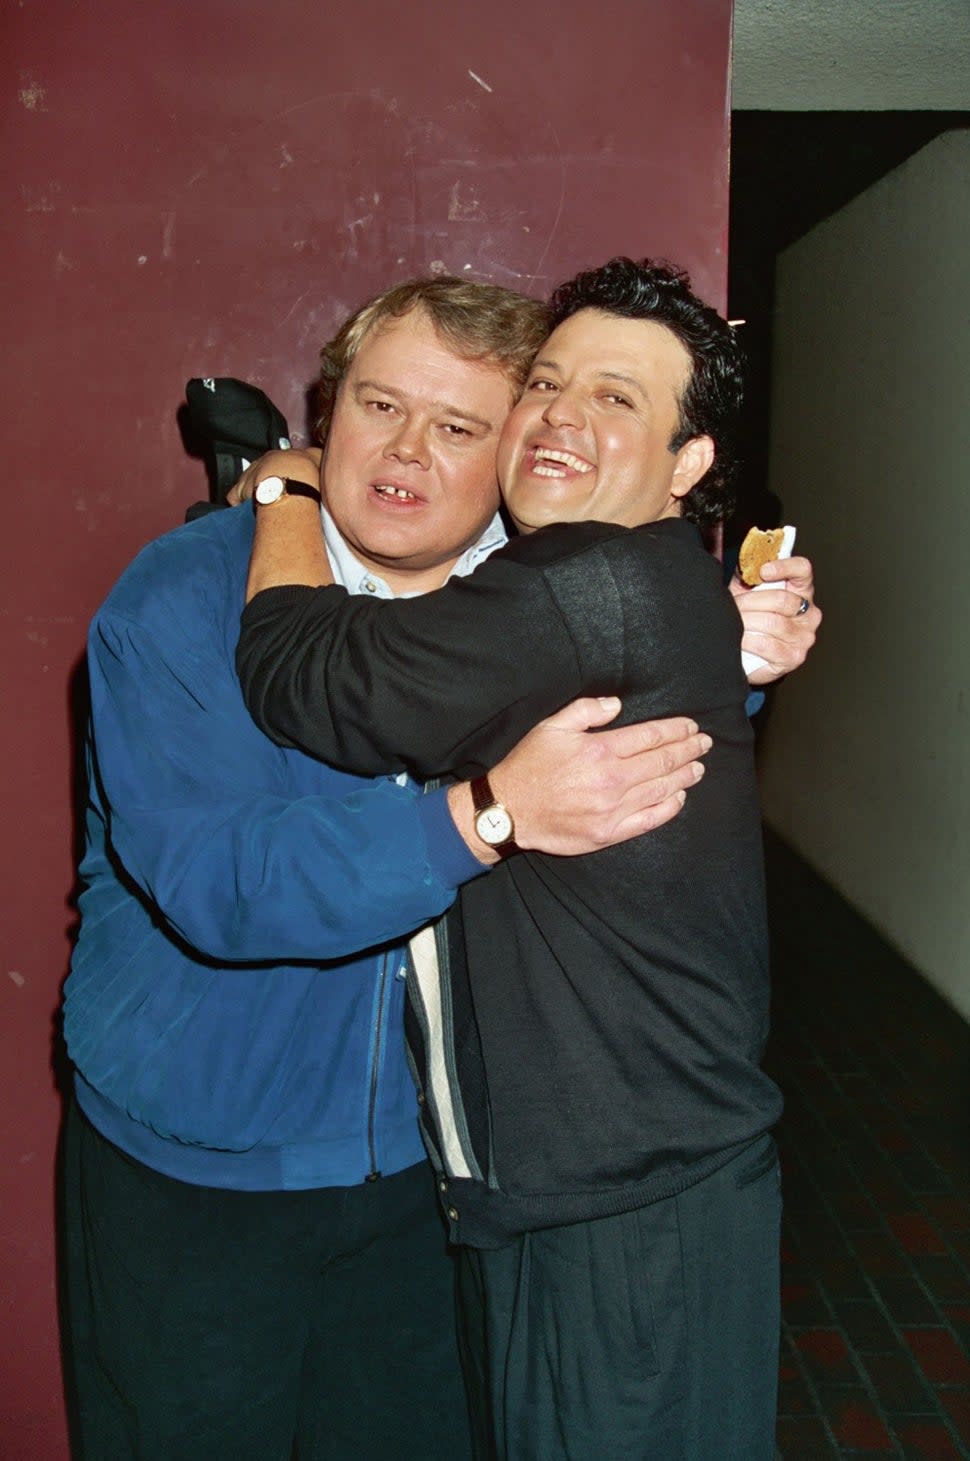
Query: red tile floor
(875, 1142)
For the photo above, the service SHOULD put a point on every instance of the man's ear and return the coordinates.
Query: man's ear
(693, 460)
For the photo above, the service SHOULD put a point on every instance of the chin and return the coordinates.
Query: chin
(532, 514)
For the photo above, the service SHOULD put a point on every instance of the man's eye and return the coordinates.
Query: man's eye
(618, 400)
(453, 429)
(541, 385)
(381, 406)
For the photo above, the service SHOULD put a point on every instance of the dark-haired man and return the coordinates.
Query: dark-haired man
(588, 1032)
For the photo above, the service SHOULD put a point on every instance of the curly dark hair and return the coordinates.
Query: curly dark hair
(648, 289)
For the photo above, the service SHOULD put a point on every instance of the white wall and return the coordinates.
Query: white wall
(866, 765)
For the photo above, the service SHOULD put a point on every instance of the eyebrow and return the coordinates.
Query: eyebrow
(445, 406)
(629, 380)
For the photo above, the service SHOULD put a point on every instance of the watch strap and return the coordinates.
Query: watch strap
(294, 488)
(482, 794)
(484, 797)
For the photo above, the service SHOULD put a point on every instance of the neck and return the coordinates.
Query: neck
(414, 580)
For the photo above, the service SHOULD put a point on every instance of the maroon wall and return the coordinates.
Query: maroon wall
(205, 189)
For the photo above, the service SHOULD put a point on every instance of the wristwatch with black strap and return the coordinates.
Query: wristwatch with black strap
(274, 489)
(493, 821)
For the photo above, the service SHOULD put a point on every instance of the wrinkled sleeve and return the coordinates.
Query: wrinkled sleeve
(447, 682)
(201, 816)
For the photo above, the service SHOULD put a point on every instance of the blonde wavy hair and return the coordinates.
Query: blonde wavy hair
(478, 321)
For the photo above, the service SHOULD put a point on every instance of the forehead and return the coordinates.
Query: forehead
(596, 344)
(408, 352)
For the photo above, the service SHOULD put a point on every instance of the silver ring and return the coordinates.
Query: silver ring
(803, 608)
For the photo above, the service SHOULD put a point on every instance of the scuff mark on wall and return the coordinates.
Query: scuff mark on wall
(461, 210)
(504, 269)
(40, 200)
(15, 977)
(537, 271)
(293, 308)
(6, 613)
(483, 84)
(168, 236)
(350, 253)
(32, 94)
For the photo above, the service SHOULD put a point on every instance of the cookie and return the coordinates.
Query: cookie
(758, 548)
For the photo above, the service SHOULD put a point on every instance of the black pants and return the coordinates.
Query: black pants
(207, 1325)
(652, 1336)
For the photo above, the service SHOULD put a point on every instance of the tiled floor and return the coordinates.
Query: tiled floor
(875, 1142)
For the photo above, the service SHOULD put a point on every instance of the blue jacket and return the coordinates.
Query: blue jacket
(235, 999)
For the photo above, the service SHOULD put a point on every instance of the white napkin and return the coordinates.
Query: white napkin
(751, 662)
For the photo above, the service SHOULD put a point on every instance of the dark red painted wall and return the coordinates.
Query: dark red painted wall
(207, 188)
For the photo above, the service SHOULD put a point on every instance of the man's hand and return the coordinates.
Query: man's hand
(303, 464)
(774, 629)
(571, 792)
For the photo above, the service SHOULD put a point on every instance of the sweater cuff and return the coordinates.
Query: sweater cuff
(448, 853)
(754, 702)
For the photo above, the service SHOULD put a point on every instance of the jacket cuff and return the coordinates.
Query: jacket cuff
(448, 854)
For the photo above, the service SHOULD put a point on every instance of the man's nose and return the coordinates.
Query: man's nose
(564, 408)
(409, 444)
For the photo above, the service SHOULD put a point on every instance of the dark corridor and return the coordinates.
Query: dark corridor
(875, 1067)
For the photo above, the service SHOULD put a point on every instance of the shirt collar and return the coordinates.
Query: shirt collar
(351, 574)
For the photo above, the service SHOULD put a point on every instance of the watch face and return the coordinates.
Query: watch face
(271, 489)
(494, 825)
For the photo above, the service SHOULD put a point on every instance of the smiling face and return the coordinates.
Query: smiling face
(590, 438)
(408, 472)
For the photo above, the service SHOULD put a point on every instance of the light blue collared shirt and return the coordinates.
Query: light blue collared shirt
(350, 573)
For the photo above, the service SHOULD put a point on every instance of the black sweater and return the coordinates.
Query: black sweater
(600, 1021)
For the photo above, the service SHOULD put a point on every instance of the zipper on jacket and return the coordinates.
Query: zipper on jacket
(374, 1172)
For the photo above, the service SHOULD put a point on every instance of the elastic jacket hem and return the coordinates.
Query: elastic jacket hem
(296, 1167)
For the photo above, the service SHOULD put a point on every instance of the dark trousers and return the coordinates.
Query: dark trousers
(652, 1336)
(207, 1325)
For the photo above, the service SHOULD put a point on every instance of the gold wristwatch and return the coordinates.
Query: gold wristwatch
(493, 822)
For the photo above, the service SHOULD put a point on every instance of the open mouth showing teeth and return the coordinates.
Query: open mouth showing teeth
(383, 489)
(548, 462)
